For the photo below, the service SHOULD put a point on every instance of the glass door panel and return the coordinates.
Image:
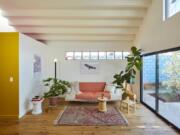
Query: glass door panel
(169, 86)
(149, 81)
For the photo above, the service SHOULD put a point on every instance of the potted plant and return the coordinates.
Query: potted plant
(134, 63)
(56, 88)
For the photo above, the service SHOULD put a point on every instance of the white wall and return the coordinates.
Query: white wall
(70, 69)
(30, 83)
(4, 24)
(156, 34)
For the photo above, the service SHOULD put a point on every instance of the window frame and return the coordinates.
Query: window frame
(83, 55)
(91, 58)
(105, 55)
(166, 10)
(113, 55)
(69, 52)
(75, 55)
(157, 81)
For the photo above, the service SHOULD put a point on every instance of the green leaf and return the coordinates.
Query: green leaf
(133, 49)
(138, 66)
(129, 59)
(133, 63)
(56, 87)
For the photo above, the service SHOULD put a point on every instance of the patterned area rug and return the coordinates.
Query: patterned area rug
(90, 116)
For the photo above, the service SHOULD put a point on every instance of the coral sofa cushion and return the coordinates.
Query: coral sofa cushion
(92, 95)
(92, 86)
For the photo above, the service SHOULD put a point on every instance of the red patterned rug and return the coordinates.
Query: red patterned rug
(90, 116)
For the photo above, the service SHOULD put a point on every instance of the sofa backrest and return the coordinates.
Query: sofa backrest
(91, 86)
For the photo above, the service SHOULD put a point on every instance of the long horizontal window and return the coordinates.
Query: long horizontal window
(110, 55)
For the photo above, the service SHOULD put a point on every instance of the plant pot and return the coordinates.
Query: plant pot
(53, 101)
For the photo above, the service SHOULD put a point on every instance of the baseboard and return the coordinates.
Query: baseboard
(9, 117)
(24, 113)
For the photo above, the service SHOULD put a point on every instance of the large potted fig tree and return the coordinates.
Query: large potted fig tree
(126, 77)
(56, 87)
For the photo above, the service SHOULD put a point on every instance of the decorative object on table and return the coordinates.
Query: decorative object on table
(102, 104)
(37, 64)
(90, 116)
(56, 87)
(129, 103)
(89, 67)
(37, 105)
(55, 68)
(126, 77)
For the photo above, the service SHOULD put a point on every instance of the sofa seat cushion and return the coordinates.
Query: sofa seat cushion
(92, 95)
(92, 86)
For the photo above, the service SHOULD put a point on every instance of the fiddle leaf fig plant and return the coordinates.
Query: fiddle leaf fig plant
(119, 79)
(56, 87)
(134, 63)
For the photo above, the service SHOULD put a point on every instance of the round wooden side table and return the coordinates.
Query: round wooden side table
(102, 104)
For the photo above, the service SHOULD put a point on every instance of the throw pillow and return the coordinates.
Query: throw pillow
(76, 87)
(118, 91)
(111, 88)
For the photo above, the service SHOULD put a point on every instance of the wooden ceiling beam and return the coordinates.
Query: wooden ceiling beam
(54, 30)
(76, 14)
(75, 22)
(82, 37)
(69, 4)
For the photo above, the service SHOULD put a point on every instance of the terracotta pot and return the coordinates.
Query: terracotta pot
(53, 101)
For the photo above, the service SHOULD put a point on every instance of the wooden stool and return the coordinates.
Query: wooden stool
(102, 104)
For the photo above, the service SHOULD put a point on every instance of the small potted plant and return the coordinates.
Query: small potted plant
(56, 88)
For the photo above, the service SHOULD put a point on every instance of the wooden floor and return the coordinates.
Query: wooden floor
(143, 122)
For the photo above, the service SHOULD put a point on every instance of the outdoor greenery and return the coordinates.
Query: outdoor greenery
(172, 71)
(134, 63)
(56, 87)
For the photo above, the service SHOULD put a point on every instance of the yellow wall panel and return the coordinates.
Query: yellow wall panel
(9, 67)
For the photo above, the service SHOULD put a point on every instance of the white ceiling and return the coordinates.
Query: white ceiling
(76, 20)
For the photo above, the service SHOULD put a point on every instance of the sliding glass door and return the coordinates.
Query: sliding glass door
(160, 85)
(149, 80)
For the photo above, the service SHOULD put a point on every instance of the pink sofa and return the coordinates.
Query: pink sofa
(91, 91)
